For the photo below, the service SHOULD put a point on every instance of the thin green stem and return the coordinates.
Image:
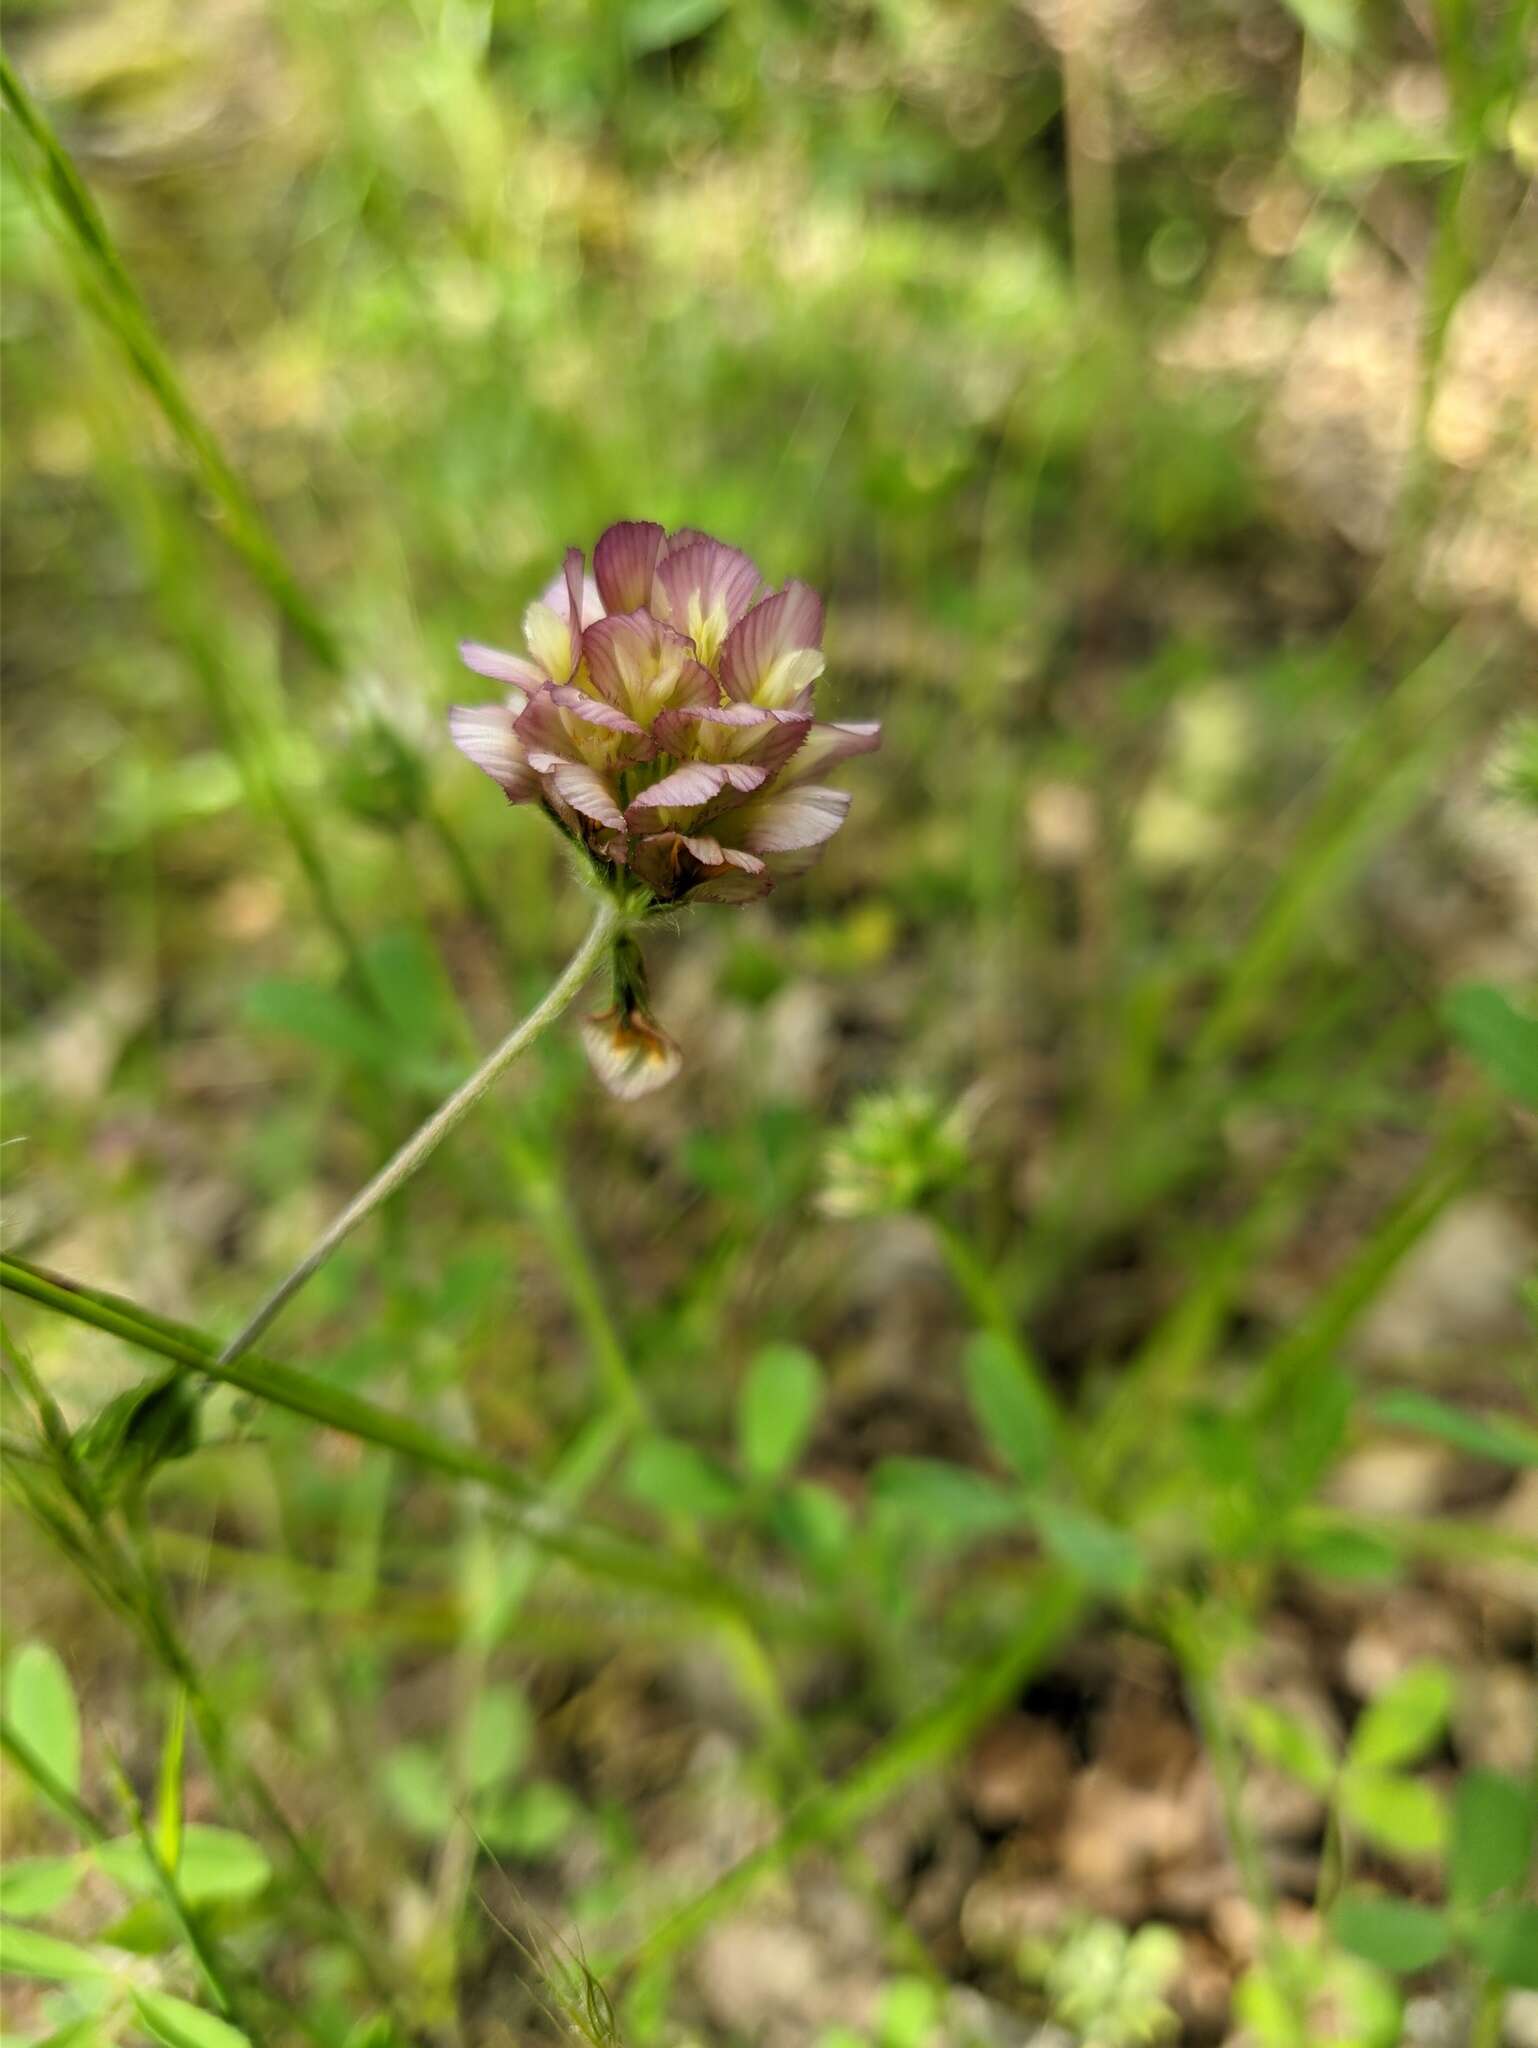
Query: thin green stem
(56, 1793)
(596, 1551)
(430, 1135)
(205, 1953)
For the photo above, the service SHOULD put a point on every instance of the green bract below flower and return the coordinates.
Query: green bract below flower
(662, 715)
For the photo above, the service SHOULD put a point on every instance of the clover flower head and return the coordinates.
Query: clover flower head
(662, 715)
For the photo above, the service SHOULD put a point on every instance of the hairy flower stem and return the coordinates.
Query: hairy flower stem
(431, 1134)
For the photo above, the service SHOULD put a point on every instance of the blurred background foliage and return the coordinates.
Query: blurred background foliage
(1068, 1178)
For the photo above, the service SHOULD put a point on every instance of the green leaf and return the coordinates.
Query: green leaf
(38, 1884)
(177, 2024)
(26, 1953)
(406, 974)
(417, 1787)
(1493, 1829)
(814, 1522)
(951, 1503)
(1340, 1553)
(778, 1406)
(500, 1735)
(1506, 1942)
(1402, 1815)
(675, 1478)
(1312, 1435)
(40, 1704)
(1392, 1933)
(1103, 1555)
(652, 25)
(528, 1820)
(1009, 1407)
(1497, 1437)
(216, 1863)
(146, 1929)
(1289, 1743)
(1405, 1720)
(321, 1017)
(1503, 1039)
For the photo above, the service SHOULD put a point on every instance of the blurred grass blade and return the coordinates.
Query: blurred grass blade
(1374, 785)
(1497, 1437)
(927, 1740)
(1353, 1291)
(210, 1964)
(115, 298)
(170, 1814)
(598, 1552)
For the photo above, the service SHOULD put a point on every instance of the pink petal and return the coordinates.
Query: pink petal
(573, 567)
(566, 591)
(710, 853)
(696, 783)
(703, 589)
(585, 790)
(484, 734)
(786, 821)
(768, 738)
(624, 561)
(560, 723)
(516, 670)
(784, 624)
(641, 665)
(685, 537)
(825, 746)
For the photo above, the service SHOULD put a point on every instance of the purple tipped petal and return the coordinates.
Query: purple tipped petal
(585, 790)
(573, 595)
(572, 569)
(703, 589)
(825, 746)
(697, 782)
(786, 821)
(560, 723)
(642, 666)
(686, 537)
(710, 853)
(515, 670)
(771, 654)
(484, 733)
(625, 561)
(596, 710)
(734, 732)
